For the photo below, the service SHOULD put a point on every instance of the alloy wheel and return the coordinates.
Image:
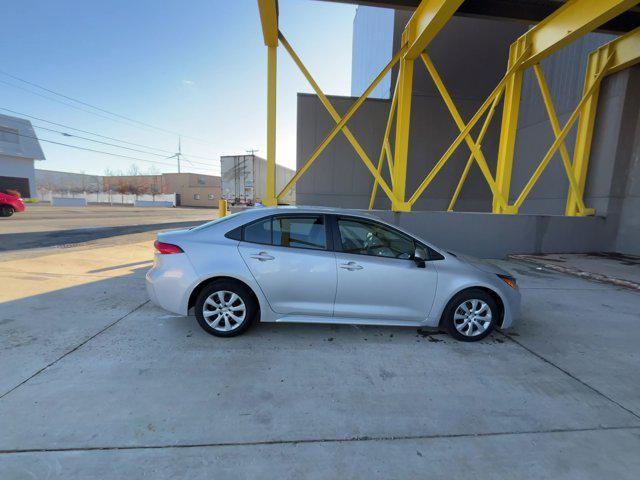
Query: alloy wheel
(224, 310)
(472, 317)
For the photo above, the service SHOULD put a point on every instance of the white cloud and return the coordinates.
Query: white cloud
(188, 83)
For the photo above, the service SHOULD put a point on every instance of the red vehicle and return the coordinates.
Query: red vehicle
(9, 204)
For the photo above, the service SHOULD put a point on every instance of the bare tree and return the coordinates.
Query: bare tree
(134, 170)
(154, 189)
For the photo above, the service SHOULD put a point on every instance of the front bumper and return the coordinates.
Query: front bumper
(512, 304)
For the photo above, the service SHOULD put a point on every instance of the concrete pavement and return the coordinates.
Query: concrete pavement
(96, 383)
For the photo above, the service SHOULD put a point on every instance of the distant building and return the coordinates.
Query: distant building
(191, 189)
(66, 182)
(19, 148)
(373, 30)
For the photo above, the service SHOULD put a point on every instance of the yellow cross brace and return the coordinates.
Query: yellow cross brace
(555, 126)
(487, 103)
(626, 52)
(467, 167)
(386, 148)
(556, 144)
(476, 152)
(341, 122)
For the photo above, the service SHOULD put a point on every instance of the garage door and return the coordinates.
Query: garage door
(15, 183)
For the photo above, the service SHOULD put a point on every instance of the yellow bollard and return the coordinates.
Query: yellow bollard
(222, 208)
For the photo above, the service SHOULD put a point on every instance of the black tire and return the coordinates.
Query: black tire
(467, 297)
(6, 210)
(244, 294)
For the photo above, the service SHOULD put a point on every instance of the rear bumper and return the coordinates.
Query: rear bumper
(169, 283)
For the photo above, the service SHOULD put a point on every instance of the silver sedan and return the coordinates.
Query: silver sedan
(321, 265)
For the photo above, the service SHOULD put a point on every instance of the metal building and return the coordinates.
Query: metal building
(19, 148)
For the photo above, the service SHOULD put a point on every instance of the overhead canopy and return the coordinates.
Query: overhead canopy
(528, 11)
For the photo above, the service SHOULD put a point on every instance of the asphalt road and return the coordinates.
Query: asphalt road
(46, 226)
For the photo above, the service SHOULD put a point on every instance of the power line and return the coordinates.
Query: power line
(97, 141)
(68, 104)
(98, 135)
(97, 108)
(83, 131)
(103, 152)
(113, 144)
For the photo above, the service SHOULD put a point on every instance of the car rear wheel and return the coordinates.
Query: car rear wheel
(471, 315)
(225, 308)
(6, 210)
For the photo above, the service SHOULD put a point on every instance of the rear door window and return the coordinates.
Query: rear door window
(300, 232)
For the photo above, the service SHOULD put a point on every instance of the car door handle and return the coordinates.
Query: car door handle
(351, 266)
(262, 256)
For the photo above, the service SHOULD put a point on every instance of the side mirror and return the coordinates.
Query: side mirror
(420, 257)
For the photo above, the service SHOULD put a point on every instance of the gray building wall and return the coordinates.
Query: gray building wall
(613, 184)
(19, 147)
(373, 30)
(19, 167)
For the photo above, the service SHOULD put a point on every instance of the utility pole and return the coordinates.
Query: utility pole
(179, 152)
(252, 151)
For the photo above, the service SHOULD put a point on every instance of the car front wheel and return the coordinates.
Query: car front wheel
(6, 211)
(471, 315)
(225, 308)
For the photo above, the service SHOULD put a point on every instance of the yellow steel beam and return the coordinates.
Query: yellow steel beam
(327, 104)
(386, 149)
(476, 152)
(555, 126)
(403, 123)
(269, 20)
(428, 19)
(556, 144)
(338, 127)
(569, 22)
(270, 198)
(487, 103)
(422, 27)
(467, 167)
(323, 98)
(509, 127)
(626, 52)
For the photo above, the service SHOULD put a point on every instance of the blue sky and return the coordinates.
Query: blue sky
(197, 67)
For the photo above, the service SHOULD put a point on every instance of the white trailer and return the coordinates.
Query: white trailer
(244, 180)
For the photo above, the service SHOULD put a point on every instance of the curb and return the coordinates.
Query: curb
(576, 272)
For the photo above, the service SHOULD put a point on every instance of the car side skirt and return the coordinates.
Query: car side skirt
(352, 321)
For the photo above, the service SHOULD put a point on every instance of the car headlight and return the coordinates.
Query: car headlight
(509, 280)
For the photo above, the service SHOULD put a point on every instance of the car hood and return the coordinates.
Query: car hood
(484, 265)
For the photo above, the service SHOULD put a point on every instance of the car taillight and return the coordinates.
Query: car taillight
(167, 248)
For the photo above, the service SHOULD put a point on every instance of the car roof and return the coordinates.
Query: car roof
(283, 209)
